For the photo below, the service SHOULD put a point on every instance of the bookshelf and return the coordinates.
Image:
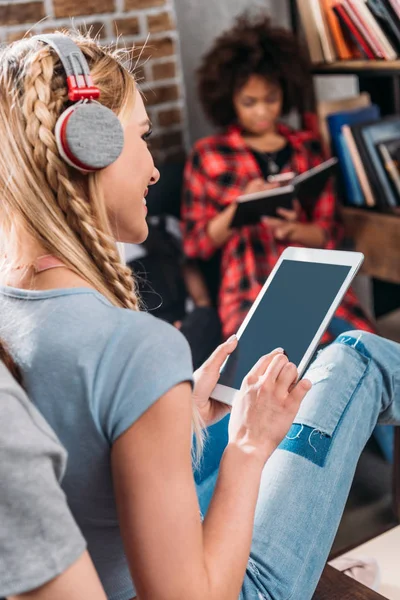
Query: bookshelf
(376, 235)
(359, 67)
(370, 230)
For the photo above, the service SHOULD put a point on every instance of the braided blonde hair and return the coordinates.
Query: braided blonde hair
(64, 209)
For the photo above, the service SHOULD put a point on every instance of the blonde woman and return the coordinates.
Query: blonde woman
(115, 383)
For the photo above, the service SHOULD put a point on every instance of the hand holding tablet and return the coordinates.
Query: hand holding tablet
(292, 311)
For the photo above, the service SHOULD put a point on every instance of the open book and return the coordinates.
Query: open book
(306, 188)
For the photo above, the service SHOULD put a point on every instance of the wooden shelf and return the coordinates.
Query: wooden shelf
(377, 236)
(355, 67)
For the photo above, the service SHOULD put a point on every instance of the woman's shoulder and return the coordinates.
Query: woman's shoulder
(228, 142)
(82, 325)
(148, 330)
(144, 358)
(216, 142)
(303, 140)
(137, 338)
(216, 153)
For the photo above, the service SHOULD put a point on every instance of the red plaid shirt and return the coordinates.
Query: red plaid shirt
(216, 173)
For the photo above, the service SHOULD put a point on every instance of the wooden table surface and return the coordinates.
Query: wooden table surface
(336, 586)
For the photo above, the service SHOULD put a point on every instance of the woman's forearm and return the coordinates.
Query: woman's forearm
(310, 235)
(228, 526)
(219, 228)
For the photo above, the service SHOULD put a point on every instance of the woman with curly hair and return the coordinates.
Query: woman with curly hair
(253, 75)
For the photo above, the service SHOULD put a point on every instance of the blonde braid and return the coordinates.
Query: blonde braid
(41, 108)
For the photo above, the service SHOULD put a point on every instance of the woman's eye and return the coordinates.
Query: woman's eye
(146, 136)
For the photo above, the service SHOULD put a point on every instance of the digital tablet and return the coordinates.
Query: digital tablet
(292, 311)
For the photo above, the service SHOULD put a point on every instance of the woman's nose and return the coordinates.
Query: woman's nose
(155, 176)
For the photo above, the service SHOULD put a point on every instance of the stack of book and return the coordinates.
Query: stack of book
(368, 149)
(351, 29)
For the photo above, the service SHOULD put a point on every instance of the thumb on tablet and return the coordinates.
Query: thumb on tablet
(221, 353)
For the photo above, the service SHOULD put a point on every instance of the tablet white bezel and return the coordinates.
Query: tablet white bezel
(354, 260)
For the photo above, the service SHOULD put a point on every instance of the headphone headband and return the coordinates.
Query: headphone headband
(79, 80)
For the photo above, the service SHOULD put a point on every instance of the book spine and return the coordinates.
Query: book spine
(366, 33)
(375, 29)
(354, 193)
(395, 4)
(323, 32)
(341, 11)
(391, 169)
(310, 31)
(385, 16)
(358, 166)
(372, 150)
(342, 47)
(377, 189)
(394, 14)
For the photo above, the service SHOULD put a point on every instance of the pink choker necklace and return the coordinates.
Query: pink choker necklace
(42, 263)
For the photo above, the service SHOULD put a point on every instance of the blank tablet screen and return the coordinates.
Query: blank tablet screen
(288, 316)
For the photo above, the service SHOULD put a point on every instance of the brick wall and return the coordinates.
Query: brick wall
(133, 21)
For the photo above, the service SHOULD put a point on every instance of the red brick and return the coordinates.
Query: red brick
(161, 22)
(167, 93)
(127, 26)
(27, 12)
(169, 117)
(164, 71)
(135, 4)
(94, 29)
(156, 48)
(72, 8)
(15, 36)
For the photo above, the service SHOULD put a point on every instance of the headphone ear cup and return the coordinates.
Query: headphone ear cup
(89, 136)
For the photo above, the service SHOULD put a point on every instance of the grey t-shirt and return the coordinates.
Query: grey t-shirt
(92, 369)
(39, 538)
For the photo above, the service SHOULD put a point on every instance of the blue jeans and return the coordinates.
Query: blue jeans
(384, 436)
(305, 483)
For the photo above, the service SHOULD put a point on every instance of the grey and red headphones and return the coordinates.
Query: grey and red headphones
(89, 135)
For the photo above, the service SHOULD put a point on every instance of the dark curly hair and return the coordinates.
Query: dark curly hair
(252, 47)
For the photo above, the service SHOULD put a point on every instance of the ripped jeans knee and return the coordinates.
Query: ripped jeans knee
(308, 442)
(356, 340)
(336, 374)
